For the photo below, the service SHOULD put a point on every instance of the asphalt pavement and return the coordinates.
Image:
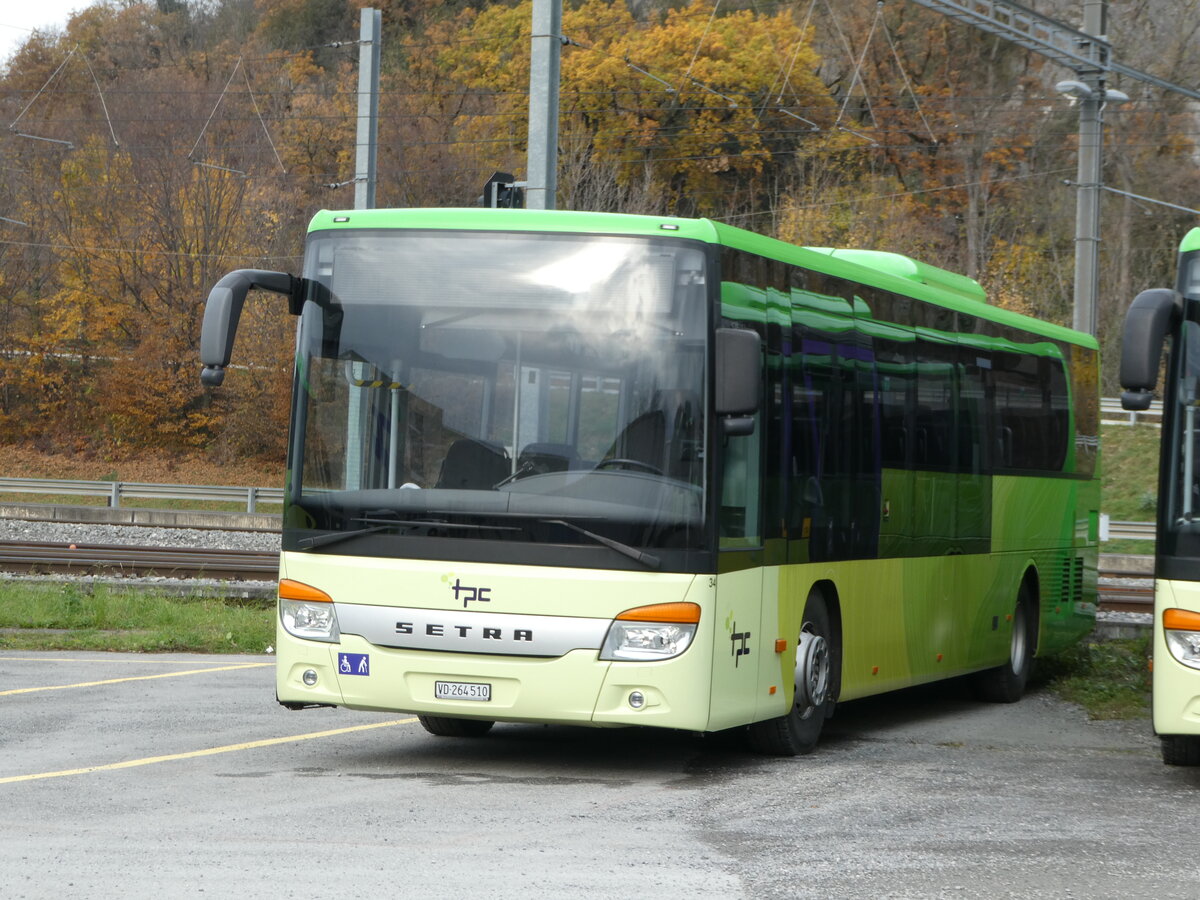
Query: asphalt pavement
(130, 775)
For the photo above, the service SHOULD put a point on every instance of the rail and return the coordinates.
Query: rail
(1112, 413)
(116, 491)
(1127, 531)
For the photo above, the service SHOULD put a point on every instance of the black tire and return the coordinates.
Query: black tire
(443, 726)
(796, 733)
(1006, 683)
(1180, 749)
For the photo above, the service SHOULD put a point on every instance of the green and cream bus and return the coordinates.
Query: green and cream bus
(1173, 317)
(614, 470)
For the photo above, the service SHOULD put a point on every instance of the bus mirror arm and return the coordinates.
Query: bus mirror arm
(223, 309)
(1150, 318)
(735, 426)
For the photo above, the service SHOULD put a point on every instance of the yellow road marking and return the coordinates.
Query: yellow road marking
(147, 660)
(81, 684)
(212, 751)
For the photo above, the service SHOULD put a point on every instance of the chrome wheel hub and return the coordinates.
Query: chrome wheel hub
(812, 670)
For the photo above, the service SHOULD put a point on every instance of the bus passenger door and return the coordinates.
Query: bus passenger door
(738, 639)
(973, 494)
(890, 399)
(935, 490)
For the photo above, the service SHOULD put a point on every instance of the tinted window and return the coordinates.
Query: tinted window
(1032, 412)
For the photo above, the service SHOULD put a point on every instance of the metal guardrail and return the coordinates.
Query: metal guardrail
(115, 491)
(1112, 413)
(1128, 531)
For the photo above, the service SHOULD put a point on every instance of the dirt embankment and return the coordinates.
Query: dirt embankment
(28, 462)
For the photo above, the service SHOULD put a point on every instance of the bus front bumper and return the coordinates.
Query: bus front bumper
(576, 688)
(1176, 685)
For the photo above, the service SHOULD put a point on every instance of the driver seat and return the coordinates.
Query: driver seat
(644, 440)
(472, 464)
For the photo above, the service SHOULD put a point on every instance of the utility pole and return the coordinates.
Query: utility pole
(1090, 174)
(1088, 54)
(367, 143)
(365, 154)
(545, 48)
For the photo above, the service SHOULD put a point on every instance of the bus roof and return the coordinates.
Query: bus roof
(886, 271)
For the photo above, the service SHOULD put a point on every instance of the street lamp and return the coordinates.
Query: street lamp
(1078, 90)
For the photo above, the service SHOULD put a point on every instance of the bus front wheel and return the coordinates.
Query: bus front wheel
(817, 659)
(1180, 749)
(444, 726)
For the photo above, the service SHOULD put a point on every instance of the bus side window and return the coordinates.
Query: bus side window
(935, 419)
(740, 488)
(740, 514)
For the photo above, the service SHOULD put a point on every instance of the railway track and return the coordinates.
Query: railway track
(1119, 591)
(1116, 597)
(38, 558)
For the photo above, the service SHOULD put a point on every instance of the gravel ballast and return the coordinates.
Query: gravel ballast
(135, 535)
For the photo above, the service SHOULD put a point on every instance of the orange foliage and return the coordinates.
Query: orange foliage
(945, 144)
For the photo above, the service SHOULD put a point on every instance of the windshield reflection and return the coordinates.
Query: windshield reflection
(507, 388)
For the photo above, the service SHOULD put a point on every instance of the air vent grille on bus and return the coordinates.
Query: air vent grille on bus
(1072, 580)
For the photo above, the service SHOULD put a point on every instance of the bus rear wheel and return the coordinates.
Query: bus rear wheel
(1006, 683)
(817, 659)
(1180, 749)
(444, 726)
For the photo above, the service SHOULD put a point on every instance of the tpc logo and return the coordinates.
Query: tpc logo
(469, 594)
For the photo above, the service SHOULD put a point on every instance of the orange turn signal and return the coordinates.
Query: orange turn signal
(682, 613)
(1181, 620)
(298, 590)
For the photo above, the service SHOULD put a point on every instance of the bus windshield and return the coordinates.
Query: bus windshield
(1183, 503)
(494, 388)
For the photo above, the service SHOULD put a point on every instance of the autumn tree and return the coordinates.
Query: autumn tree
(168, 142)
(694, 106)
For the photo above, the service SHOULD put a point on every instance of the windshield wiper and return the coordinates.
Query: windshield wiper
(323, 540)
(333, 537)
(649, 560)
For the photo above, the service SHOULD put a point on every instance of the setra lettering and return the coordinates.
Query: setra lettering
(487, 633)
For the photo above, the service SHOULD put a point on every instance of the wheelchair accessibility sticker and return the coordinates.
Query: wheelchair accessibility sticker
(354, 664)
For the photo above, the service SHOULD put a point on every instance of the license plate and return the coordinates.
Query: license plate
(461, 690)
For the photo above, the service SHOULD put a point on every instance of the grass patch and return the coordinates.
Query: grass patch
(1129, 472)
(1110, 679)
(75, 616)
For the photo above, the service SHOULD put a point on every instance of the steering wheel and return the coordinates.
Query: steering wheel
(624, 462)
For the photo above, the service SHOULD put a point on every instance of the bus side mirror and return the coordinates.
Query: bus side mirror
(1153, 314)
(738, 378)
(224, 308)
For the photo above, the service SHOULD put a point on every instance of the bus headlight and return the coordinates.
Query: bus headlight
(307, 612)
(1181, 630)
(650, 633)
